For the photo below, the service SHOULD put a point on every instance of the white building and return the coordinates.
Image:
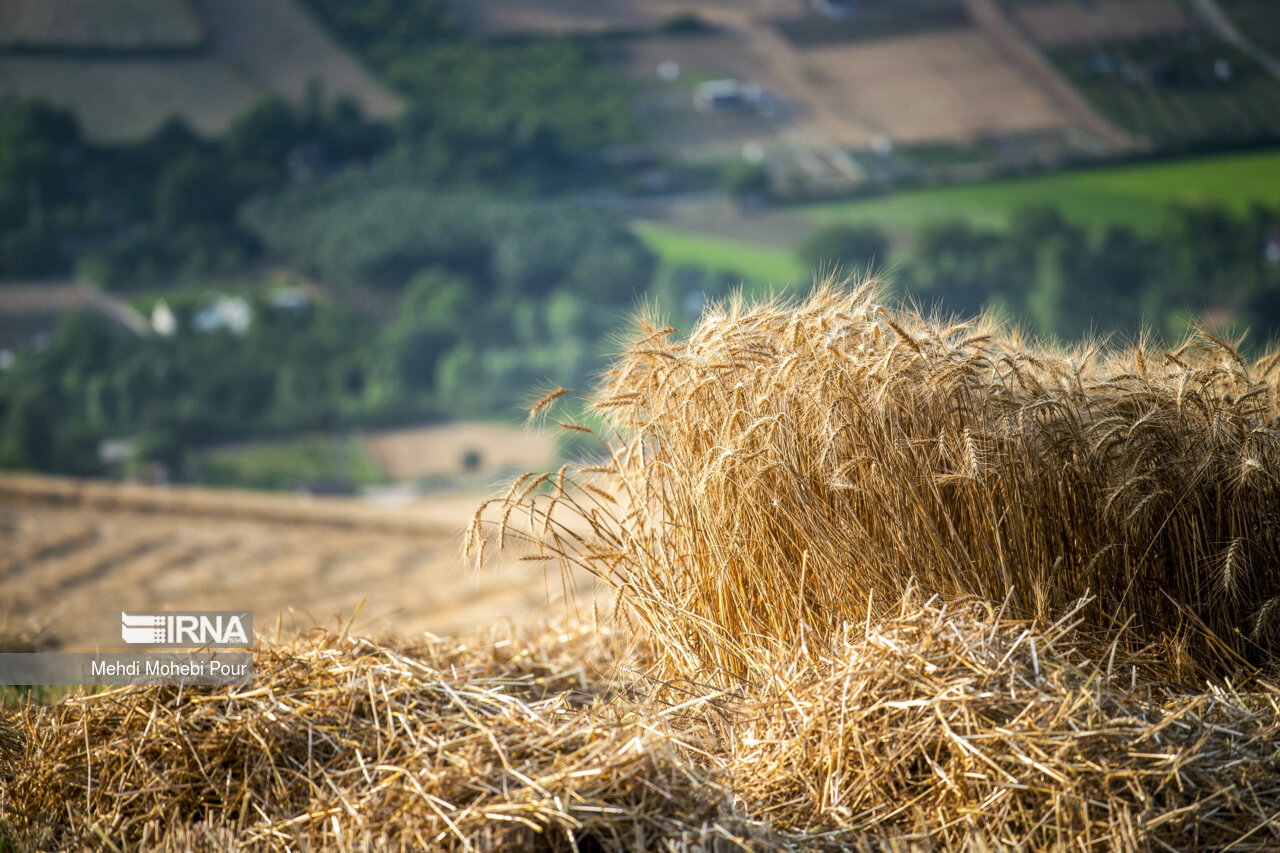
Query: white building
(163, 321)
(233, 313)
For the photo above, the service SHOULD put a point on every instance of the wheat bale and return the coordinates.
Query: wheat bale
(789, 462)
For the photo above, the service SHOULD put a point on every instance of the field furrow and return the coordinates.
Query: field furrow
(75, 551)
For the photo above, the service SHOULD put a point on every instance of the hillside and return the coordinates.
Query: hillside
(130, 65)
(99, 25)
(904, 74)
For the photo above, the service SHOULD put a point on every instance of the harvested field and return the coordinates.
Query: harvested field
(254, 49)
(946, 85)
(278, 47)
(828, 97)
(79, 551)
(103, 25)
(1073, 24)
(129, 97)
(957, 83)
(753, 56)
(407, 454)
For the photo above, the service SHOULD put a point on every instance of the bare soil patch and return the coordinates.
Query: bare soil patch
(408, 454)
(278, 46)
(952, 84)
(1056, 25)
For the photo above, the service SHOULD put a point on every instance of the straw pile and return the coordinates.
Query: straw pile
(348, 744)
(934, 728)
(789, 462)
(966, 732)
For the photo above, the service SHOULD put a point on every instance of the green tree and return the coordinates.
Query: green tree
(385, 29)
(430, 319)
(41, 162)
(30, 431)
(746, 183)
(965, 269)
(851, 248)
(265, 134)
(196, 190)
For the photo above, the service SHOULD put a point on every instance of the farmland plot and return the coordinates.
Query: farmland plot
(122, 83)
(73, 551)
(1069, 24)
(951, 84)
(99, 24)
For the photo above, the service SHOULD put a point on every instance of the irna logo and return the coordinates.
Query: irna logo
(193, 628)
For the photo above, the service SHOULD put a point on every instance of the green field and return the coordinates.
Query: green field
(288, 463)
(1126, 195)
(757, 266)
(1137, 196)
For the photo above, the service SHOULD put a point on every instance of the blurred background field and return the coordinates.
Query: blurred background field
(151, 59)
(139, 25)
(1130, 196)
(1136, 196)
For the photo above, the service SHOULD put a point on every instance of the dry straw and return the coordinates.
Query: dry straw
(964, 731)
(347, 744)
(790, 462)
(934, 728)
